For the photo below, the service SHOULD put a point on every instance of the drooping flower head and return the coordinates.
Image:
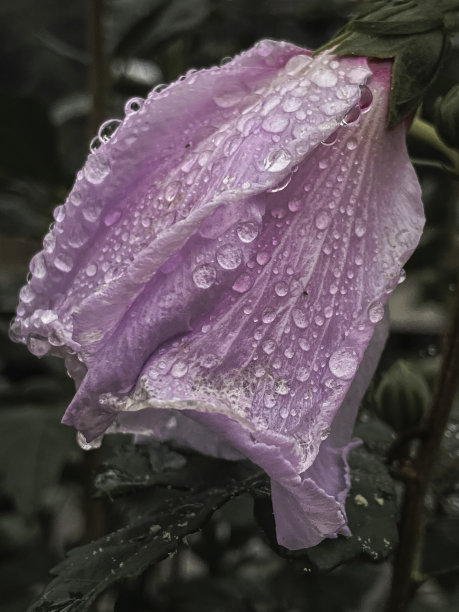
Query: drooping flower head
(221, 266)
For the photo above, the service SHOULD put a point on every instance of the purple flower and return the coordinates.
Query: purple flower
(222, 264)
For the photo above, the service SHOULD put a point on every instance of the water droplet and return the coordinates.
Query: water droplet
(376, 312)
(95, 143)
(204, 276)
(179, 369)
(285, 182)
(344, 363)
(366, 99)
(302, 374)
(299, 318)
(92, 210)
(352, 117)
(275, 124)
(281, 288)
(209, 361)
(63, 262)
(132, 106)
(324, 78)
(27, 294)
(323, 164)
(358, 75)
(330, 140)
(319, 320)
(172, 190)
(87, 446)
(77, 235)
(281, 387)
(297, 64)
(97, 168)
(328, 312)
(277, 160)
(91, 270)
(112, 217)
(292, 104)
(247, 232)
(269, 399)
(268, 346)
(229, 257)
(295, 204)
(38, 266)
(289, 352)
(38, 345)
(59, 213)
(108, 129)
(242, 283)
(322, 219)
(49, 242)
(402, 276)
(262, 258)
(268, 316)
(351, 144)
(229, 95)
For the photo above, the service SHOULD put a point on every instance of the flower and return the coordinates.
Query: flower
(222, 263)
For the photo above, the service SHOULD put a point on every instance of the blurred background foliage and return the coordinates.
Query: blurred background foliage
(46, 480)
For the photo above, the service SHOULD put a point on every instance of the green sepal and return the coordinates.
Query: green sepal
(414, 34)
(447, 117)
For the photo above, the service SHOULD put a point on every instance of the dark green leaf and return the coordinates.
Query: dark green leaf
(128, 552)
(34, 447)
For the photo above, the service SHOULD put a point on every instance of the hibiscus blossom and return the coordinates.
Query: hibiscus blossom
(222, 264)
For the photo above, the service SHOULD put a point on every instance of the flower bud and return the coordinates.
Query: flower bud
(402, 397)
(447, 117)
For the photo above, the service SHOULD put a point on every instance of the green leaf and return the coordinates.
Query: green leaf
(34, 448)
(91, 569)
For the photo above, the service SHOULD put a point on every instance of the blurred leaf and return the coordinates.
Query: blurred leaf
(27, 140)
(161, 25)
(441, 549)
(91, 569)
(34, 448)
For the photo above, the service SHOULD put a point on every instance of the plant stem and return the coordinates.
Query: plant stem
(98, 72)
(407, 571)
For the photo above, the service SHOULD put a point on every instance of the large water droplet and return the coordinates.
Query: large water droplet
(324, 78)
(242, 283)
(277, 160)
(352, 117)
(63, 262)
(366, 99)
(299, 318)
(281, 387)
(344, 363)
(112, 217)
(281, 288)
(229, 257)
(49, 242)
(27, 294)
(376, 312)
(97, 168)
(285, 182)
(330, 140)
(262, 258)
(292, 104)
(108, 129)
(87, 446)
(59, 213)
(91, 270)
(297, 64)
(268, 346)
(204, 276)
(38, 266)
(247, 232)
(269, 314)
(38, 345)
(275, 124)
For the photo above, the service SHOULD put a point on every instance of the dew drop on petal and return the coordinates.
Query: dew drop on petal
(26, 294)
(343, 363)
(360, 228)
(351, 144)
(108, 129)
(275, 124)
(229, 257)
(63, 262)
(242, 283)
(38, 266)
(204, 276)
(324, 78)
(97, 168)
(295, 204)
(91, 270)
(402, 276)
(281, 387)
(277, 160)
(352, 116)
(268, 316)
(376, 312)
(330, 140)
(322, 219)
(268, 346)
(281, 288)
(297, 64)
(366, 99)
(229, 96)
(49, 242)
(299, 318)
(87, 446)
(304, 344)
(133, 105)
(112, 217)
(247, 232)
(262, 258)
